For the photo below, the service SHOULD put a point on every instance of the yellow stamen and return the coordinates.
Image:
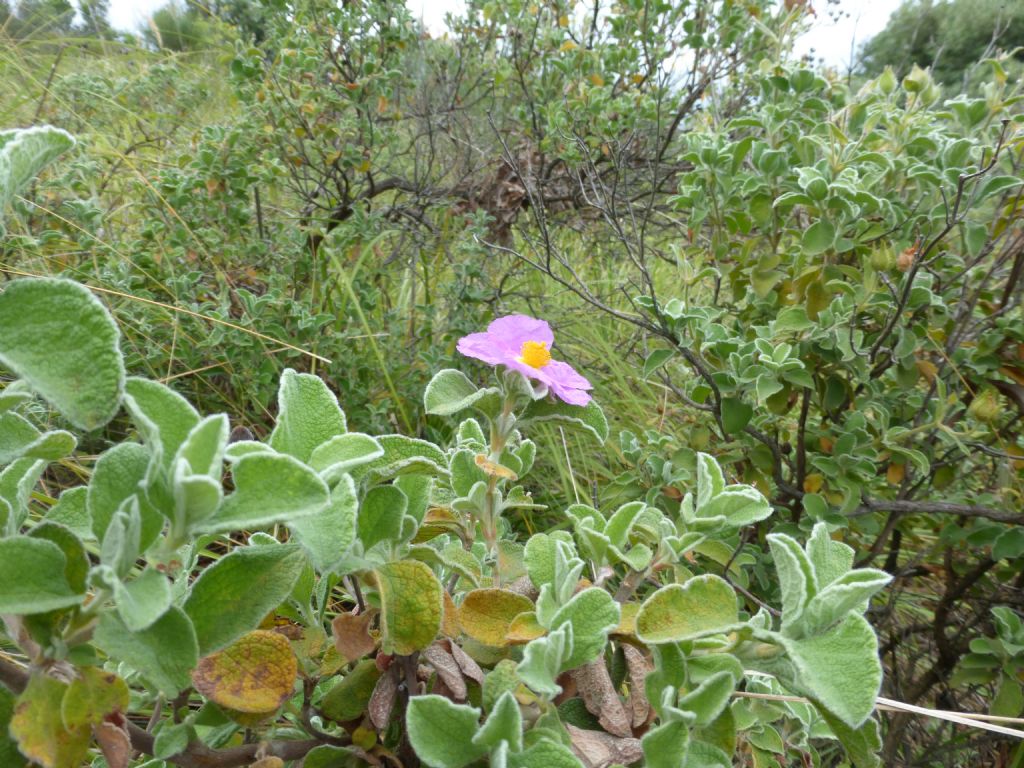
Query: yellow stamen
(535, 354)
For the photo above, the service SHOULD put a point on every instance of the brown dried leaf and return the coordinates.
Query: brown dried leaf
(523, 586)
(447, 670)
(383, 699)
(468, 666)
(114, 742)
(600, 750)
(637, 668)
(598, 693)
(352, 635)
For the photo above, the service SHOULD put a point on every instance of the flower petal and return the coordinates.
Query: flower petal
(514, 330)
(484, 346)
(571, 396)
(565, 375)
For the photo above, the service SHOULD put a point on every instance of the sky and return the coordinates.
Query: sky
(831, 39)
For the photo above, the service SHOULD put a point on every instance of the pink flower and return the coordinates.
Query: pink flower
(523, 344)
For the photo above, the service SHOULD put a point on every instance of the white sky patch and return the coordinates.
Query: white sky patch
(830, 38)
(837, 32)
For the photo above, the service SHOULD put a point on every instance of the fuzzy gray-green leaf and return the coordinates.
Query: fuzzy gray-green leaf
(60, 339)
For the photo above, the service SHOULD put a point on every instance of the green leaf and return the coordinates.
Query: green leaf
(710, 697)
(71, 511)
(60, 339)
(328, 535)
(665, 745)
(544, 659)
(840, 668)
(655, 360)
(735, 415)
(700, 754)
(676, 612)
(39, 730)
(381, 514)
(203, 448)
(504, 723)
(308, 415)
(997, 185)
(402, 455)
(163, 417)
(349, 697)
(16, 483)
(593, 613)
(269, 488)
(24, 152)
(76, 570)
(117, 476)
(164, 653)
(831, 559)
(19, 439)
(32, 577)
(545, 754)
(143, 600)
(539, 556)
(818, 237)
(1009, 545)
(862, 744)
(738, 506)
(451, 391)
(410, 605)
(465, 472)
(849, 592)
(343, 453)
(233, 595)
(441, 733)
(93, 695)
(797, 579)
(327, 756)
(589, 417)
(417, 490)
(710, 480)
(9, 754)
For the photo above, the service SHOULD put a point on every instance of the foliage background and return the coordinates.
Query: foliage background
(794, 271)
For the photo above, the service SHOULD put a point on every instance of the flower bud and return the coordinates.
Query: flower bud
(887, 81)
(985, 405)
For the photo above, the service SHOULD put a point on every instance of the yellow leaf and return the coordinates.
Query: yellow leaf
(450, 619)
(563, 20)
(596, 79)
(410, 606)
(494, 469)
(927, 369)
(254, 675)
(524, 628)
(895, 473)
(813, 483)
(486, 614)
(37, 727)
(627, 620)
(567, 46)
(93, 695)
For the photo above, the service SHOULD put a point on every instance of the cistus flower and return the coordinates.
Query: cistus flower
(523, 344)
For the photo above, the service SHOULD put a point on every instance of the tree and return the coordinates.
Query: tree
(949, 35)
(95, 14)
